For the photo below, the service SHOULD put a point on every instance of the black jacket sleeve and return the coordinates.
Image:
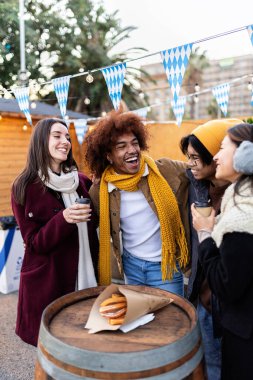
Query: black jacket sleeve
(229, 270)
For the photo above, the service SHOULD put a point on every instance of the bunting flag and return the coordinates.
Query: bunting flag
(114, 77)
(175, 62)
(251, 102)
(178, 108)
(61, 88)
(22, 96)
(221, 94)
(142, 112)
(250, 31)
(81, 128)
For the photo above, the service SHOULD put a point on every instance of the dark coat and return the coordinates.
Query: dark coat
(50, 263)
(198, 191)
(229, 272)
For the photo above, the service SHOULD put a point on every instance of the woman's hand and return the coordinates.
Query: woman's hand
(204, 223)
(77, 213)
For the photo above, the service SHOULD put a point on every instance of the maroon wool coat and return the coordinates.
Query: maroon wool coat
(50, 263)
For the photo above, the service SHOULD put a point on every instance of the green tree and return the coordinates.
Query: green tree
(67, 37)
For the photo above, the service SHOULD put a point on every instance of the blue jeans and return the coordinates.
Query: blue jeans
(212, 346)
(142, 272)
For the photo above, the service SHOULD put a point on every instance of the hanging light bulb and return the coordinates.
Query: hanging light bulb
(103, 114)
(89, 78)
(66, 117)
(86, 101)
(196, 87)
(250, 86)
(24, 127)
(33, 105)
(196, 99)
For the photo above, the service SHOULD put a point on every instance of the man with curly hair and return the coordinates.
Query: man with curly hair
(141, 203)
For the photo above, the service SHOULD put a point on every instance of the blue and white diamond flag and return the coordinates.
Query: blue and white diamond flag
(175, 62)
(22, 96)
(221, 94)
(178, 108)
(251, 102)
(142, 112)
(81, 128)
(250, 31)
(61, 88)
(114, 77)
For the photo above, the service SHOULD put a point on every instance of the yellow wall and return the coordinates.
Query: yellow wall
(165, 138)
(14, 143)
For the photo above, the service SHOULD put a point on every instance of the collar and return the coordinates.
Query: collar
(111, 186)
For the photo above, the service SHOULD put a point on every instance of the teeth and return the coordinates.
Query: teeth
(131, 159)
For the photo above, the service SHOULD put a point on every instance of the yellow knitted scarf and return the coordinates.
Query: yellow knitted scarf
(172, 230)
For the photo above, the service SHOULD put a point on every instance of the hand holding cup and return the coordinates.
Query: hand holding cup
(203, 218)
(80, 211)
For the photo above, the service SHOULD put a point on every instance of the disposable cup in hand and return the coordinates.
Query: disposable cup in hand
(84, 201)
(203, 208)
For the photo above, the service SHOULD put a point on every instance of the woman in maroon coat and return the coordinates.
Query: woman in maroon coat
(60, 238)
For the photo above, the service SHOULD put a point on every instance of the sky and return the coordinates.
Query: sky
(164, 24)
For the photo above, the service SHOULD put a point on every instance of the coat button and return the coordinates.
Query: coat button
(114, 214)
(114, 232)
(30, 214)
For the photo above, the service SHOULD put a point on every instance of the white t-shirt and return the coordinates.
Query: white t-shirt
(140, 226)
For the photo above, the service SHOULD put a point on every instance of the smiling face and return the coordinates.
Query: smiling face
(198, 168)
(125, 154)
(224, 161)
(59, 146)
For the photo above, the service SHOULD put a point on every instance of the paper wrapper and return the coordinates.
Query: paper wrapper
(138, 304)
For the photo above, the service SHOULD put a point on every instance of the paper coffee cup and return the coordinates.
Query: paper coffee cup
(203, 208)
(83, 200)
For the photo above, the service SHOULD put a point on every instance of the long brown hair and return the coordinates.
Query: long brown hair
(238, 134)
(38, 158)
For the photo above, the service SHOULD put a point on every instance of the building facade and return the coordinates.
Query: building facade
(218, 72)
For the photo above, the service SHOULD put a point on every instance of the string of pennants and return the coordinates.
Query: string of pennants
(175, 62)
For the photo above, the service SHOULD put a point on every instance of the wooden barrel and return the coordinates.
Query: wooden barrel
(168, 348)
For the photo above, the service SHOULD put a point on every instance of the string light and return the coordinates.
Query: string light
(81, 72)
(86, 101)
(89, 78)
(103, 114)
(250, 86)
(33, 105)
(197, 87)
(24, 127)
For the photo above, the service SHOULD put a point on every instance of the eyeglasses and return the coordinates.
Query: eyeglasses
(194, 158)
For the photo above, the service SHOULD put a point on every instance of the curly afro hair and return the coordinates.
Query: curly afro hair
(105, 134)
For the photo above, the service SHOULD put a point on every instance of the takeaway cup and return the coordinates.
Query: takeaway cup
(82, 200)
(203, 208)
